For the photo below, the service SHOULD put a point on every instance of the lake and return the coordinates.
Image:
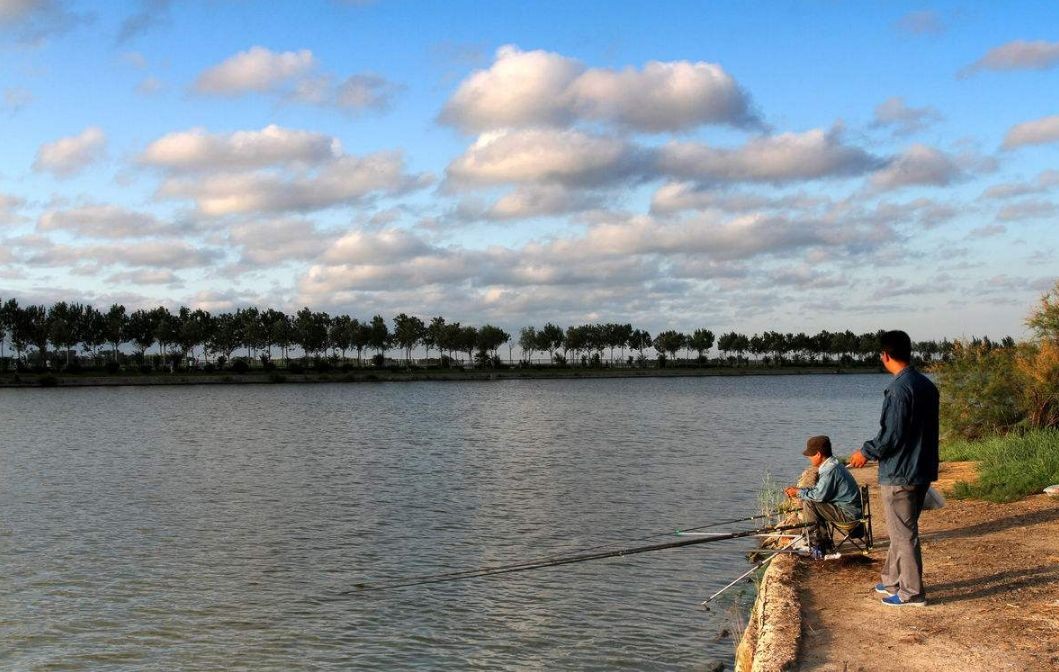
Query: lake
(217, 527)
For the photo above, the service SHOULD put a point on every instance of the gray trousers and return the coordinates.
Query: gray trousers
(903, 571)
(814, 512)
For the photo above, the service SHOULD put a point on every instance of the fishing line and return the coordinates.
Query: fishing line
(471, 573)
(557, 561)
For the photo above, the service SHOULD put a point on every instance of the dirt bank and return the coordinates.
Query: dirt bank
(992, 579)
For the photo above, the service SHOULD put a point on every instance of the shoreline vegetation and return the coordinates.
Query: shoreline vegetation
(72, 338)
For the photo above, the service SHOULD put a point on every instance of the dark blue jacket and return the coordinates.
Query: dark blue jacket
(907, 444)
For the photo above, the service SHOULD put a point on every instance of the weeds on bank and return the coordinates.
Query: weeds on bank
(1010, 466)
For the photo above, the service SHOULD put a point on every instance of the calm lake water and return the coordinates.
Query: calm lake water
(209, 528)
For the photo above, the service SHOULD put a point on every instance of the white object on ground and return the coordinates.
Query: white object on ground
(1052, 489)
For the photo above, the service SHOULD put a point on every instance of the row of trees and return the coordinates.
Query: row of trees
(259, 334)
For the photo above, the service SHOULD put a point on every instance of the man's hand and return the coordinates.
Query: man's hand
(791, 492)
(857, 460)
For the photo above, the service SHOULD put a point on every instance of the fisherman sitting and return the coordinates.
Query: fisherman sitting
(835, 497)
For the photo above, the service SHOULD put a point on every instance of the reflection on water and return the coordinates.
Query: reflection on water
(205, 528)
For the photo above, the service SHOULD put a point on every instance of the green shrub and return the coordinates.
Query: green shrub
(1009, 467)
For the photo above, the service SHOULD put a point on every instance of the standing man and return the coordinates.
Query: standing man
(907, 451)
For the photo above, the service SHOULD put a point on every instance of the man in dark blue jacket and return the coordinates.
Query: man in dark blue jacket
(907, 450)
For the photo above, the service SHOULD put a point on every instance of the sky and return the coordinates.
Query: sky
(794, 166)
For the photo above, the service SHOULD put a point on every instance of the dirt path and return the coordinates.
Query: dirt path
(992, 579)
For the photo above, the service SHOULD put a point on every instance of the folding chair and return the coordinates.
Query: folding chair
(856, 533)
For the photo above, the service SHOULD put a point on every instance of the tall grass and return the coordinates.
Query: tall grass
(1010, 466)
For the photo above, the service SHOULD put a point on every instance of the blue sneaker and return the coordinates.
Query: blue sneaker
(895, 601)
(881, 589)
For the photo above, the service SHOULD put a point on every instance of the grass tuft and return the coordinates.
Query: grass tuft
(1010, 467)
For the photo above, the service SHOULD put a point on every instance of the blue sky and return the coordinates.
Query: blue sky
(790, 166)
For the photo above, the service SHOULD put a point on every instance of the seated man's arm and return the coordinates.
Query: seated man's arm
(824, 491)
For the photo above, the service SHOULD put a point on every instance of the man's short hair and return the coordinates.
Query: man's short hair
(897, 345)
(818, 444)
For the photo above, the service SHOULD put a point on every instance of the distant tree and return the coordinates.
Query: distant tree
(114, 328)
(225, 337)
(639, 341)
(434, 334)
(669, 342)
(551, 336)
(490, 338)
(140, 330)
(468, 341)
(63, 319)
(92, 330)
(408, 331)
(380, 335)
(527, 340)
(701, 341)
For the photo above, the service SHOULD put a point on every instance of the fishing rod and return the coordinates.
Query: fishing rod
(470, 573)
(558, 561)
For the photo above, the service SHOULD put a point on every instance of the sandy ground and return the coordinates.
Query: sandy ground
(992, 580)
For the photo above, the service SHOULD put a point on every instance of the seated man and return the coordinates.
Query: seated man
(835, 497)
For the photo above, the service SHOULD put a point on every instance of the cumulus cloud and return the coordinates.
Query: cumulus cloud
(9, 208)
(922, 22)
(146, 277)
(541, 200)
(257, 70)
(197, 150)
(786, 157)
(1045, 181)
(542, 155)
(540, 88)
(270, 242)
(1031, 209)
(1037, 132)
(294, 77)
(918, 165)
(342, 181)
(67, 156)
(674, 197)
(1017, 55)
(155, 254)
(103, 221)
(904, 120)
(35, 20)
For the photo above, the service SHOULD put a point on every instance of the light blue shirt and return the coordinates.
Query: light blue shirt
(835, 485)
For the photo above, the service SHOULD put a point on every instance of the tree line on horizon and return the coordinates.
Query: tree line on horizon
(178, 335)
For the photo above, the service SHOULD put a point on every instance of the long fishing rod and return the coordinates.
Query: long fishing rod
(558, 561)
(470, 573)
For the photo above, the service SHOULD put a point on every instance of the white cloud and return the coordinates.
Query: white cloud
(918, 165)
(146, 277)
(1045, 181)
(1037, 132)
(376, 248)
(293, 77)
(343, 181)
(539, 155)
(103, 221)
(681, 196)
(69, 155)
(257, 70)
(1017, 55)
(265, 243)
(534, 88)
(1031, 209)
(787, 157)
(9, 207)
(904, 120)
(199, 150)
(149, 86)
(541, 201)
(157, 254)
